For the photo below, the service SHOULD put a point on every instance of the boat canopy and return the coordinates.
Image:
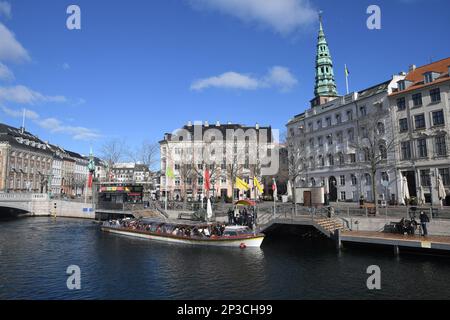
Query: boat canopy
(247, 203)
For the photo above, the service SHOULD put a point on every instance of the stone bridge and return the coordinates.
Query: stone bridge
(31, 203)
(38, 204)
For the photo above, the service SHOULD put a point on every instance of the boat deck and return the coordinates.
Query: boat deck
(396, 240)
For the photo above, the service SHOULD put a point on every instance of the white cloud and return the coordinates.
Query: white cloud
(284, 16)
(55, 125)
(10, 48)
(5, 9)
(78, 133)
(281, 77)
(29, 114)
(24, 95)
(277, 77)
(5, 73)
(230, 80)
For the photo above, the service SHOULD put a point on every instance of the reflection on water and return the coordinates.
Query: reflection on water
(35, 253)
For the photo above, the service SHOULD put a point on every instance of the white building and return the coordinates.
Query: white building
(422, 124)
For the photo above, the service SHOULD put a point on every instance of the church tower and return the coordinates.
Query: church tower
(325, 87)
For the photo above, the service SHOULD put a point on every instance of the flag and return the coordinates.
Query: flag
(169, 173)
(275, 189)
(90, 180)
(258, 185)
(346, 71)
(207, 181)
(241, 184)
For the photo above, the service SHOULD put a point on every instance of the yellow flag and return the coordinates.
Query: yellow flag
(258, 185)
(170, 173)
(241, 185)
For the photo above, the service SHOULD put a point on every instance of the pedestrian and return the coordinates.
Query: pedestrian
(424, 219)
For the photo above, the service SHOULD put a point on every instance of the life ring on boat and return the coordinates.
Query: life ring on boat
(242, 246)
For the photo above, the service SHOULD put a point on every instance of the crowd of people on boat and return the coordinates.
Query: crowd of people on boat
(242, 217)
(200, 231)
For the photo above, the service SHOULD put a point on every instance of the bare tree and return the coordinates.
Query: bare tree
(146, 154)
(112, 151)
(375, 147)
(298, 163)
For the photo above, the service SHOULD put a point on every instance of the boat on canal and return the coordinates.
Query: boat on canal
(191, 234)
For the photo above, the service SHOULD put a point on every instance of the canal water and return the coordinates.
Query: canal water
(35, 254)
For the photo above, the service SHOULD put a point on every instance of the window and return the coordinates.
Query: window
(354, 180)
(441, 148)
(177, 167)
(341, 159)
(338, 118)
(383, 151)
(428, 77)
(385, 176)
(330, 160)
(363, 111)
(319, 124)
(368, 179)
(321, 161)
(351, 135)
(445, 176)
(438, 118)
(422, 148)
(340, 137)
(417, 99)
(342, 180)
(353, 158)
(319, 141)
(419, 121)
(406, 150)
(328, 120)
(403, 124)
(310, 127)
(401, 104)
(311, 143)
(350, 115)
(435, 95)
(380, 127)
(343, 198)
(330, 140)
(425, 178)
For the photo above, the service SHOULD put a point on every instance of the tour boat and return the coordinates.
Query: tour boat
(232, 236)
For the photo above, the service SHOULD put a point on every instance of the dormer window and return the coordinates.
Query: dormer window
(404, 84)
(430, 77)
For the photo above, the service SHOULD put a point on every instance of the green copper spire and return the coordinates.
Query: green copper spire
(325, 83)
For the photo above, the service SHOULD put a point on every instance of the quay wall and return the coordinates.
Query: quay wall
(435, 227)
(62, 208)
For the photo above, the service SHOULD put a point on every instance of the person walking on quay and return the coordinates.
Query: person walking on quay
(230, 216)
(424, 219)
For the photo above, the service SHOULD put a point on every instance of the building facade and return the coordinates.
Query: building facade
(25, 161)
(344, 143)
(422, 126)
(226, 151)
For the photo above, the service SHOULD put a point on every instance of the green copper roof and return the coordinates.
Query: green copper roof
(325, 83)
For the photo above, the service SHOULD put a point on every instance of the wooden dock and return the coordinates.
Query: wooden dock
(397, 241)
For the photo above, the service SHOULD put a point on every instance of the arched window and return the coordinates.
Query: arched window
(368, 179)
(380, 128)
(330, 160)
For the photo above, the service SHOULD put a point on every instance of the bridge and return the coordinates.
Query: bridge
(31, 203)
(40, 204)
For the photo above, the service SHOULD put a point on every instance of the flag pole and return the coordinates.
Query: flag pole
(346, 78)
(165, 198)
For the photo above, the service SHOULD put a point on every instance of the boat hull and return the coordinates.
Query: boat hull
(247, 242)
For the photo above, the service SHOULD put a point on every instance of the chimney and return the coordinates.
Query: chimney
(257, 126)
(412, 67)
(218, 124)
(206, 124)
(189, 124)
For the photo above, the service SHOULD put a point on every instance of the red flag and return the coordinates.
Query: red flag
(207, 180)
(90, 180)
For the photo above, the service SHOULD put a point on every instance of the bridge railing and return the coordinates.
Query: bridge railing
(23, 197)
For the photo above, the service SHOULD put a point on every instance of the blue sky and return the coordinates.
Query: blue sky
(140, 68)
